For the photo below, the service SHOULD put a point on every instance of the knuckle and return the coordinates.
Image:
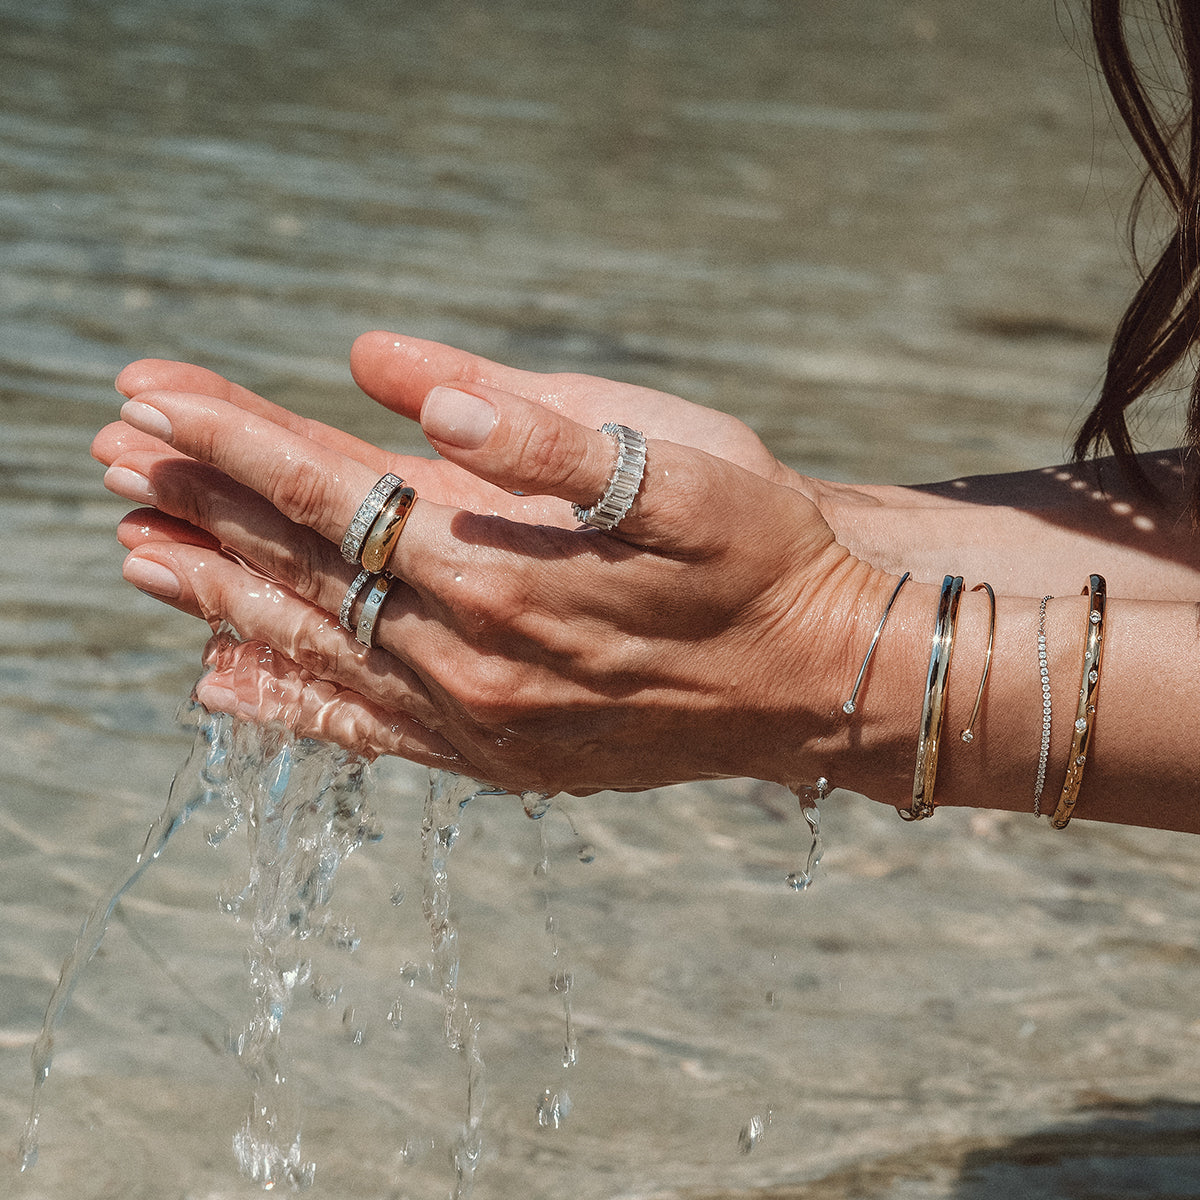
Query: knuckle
(298, 491)
(548, 451)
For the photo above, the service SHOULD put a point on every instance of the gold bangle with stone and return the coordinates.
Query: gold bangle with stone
(1085, 712)
(386, 529)
(968, 734)
(940, 653)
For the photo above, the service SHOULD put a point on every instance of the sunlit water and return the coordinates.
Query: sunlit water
(887, 235)
(303, 808)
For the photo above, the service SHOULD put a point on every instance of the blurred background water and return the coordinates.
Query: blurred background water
(888, 234)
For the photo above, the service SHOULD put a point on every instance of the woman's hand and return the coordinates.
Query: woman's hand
(696, 641)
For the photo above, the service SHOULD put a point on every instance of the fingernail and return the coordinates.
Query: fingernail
(130, 485)
(457, 418)
(148, 420)
(149, 576)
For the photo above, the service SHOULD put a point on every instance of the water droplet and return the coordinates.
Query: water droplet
(537, 804)
(751, 1133)
(552, 1109)
(354, 1031)
(398, 895)
(587, 853)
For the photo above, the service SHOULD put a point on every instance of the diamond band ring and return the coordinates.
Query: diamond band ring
(349, 599)
(612, 507)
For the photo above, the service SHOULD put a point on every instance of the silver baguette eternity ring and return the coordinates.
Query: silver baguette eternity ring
(608, 512)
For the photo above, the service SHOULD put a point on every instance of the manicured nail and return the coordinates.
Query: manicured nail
(457, 418)
(148, 420)
(129, 485)
(149, 576)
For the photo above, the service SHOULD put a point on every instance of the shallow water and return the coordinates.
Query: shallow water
(888, 235)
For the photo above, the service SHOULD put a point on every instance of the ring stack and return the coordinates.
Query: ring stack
(368, 510)
(368, 543)
(608, 512)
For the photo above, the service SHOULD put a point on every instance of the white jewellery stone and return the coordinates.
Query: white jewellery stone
(368, 510)
(622, 489)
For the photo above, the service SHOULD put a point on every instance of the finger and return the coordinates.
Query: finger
(161, 375)
(399, 372)
(305, 480)
(209, 585)
(521, 446)
(120, 438)
(149, 525)
(251, 681)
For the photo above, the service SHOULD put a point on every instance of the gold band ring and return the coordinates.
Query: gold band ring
(385, 532)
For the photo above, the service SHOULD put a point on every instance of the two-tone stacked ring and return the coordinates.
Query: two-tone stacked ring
(368, 543)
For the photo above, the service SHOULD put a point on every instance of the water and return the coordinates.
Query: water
(889, 236)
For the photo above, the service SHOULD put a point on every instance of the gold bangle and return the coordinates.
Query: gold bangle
(940, 653)
(1085, 713)
(386, 529)
(968, 734)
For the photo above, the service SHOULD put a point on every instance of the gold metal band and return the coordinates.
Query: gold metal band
(941, 651)
(1085, 713)
(968, 734)
(385, 531)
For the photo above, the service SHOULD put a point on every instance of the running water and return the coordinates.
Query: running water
(304, 808)
(303, 805)
(203, 776)
(810, 796)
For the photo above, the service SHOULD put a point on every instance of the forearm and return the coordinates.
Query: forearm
(1143, 767)
(1031, 533)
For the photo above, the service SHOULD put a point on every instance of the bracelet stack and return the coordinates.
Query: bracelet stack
(941, 654)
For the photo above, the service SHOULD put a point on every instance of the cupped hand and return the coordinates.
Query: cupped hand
(694, 642)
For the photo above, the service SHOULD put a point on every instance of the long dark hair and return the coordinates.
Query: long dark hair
(1162, 322)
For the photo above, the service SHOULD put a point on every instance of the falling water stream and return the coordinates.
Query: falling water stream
(304, 807)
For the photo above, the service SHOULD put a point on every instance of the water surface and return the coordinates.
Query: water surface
(890, 237)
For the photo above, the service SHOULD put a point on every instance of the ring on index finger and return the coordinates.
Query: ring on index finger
(613, 506)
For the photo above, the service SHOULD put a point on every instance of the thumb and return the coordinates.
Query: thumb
(531, 448)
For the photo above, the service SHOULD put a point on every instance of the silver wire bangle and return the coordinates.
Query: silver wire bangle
(968, 734)
(850, 705)
(940, 653)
